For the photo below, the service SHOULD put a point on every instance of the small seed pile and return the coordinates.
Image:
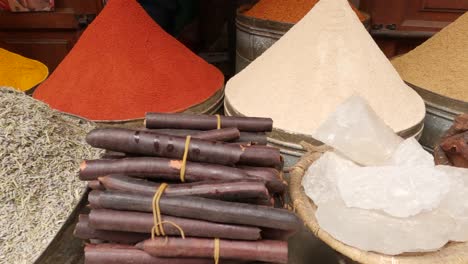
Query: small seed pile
(440, 64)
(40, 151)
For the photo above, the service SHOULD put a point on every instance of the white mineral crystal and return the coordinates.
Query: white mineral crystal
(355, 130)
(374, 231)
(399, 191)
(378, 192)
(455, 203)
(411, 153)
(320, 182)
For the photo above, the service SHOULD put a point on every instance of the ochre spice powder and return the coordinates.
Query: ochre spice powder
(440, 64)
(125, 65)
(290, 11)
(20, 72)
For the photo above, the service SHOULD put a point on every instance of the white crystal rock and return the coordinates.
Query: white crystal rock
(411, 153)
(398, 191)
(355, 130)
(320, 182)
(455, 203)
(374, 231)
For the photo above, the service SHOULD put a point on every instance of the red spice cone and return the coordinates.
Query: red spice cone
(125, 65)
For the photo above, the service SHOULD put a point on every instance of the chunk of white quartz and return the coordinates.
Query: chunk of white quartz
(455, 203)
(411, 153)
(355, 130)
(398, 191)
(374, 231)
(320, 182)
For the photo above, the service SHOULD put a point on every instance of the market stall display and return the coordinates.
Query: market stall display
(437, 71)
(124, 65)
(172, 197)
(374, 203)
(325, 58)
(20, 72)
(453, 147)
(41, 149)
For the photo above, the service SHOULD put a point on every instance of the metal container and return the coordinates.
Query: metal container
(440, 114)
(254, 36)
(210, 106)
(289, 143)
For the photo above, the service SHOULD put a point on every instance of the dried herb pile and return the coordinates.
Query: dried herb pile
(40, 150)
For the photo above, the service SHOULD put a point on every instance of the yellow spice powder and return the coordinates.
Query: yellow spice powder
(20, 72)
(440, 64)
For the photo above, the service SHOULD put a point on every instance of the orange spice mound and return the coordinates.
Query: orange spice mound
(290, 11)
(125, 65)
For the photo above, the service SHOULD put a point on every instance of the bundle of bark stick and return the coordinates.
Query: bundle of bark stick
(186, 189)
(453, 147)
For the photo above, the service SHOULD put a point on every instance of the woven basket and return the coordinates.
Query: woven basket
(452, 253)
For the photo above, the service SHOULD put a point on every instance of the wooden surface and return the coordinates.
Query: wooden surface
(400, 25)
(47, 36)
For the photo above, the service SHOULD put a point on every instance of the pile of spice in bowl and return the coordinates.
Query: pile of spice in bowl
(440, 64)
(40, 152)
(286, 11)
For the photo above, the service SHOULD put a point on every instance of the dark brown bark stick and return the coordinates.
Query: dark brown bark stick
(252, 192)
(96, 185)
(228, 191)
(169, 170)
(264, 250)
(84, 231)
(224, 134)
(207, 122)
(160, 168)
(116, 254)
(127, 221)
(275, 234)
(200, 208)
(271, 176)
(259, 138)
(145, 143)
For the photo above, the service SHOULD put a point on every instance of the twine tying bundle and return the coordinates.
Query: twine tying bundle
(218, 118)
(158, 229)
(216, 251)
(184, 158)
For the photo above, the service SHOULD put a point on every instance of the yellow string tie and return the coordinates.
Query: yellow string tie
(184, 159)
(218, 118)
(157, 228)
(216, 251)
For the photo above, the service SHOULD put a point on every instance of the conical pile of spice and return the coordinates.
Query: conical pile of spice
(20, 72)
(325, 58)
(125, 65)
(440, 64)
(290, 11)
(40, 152)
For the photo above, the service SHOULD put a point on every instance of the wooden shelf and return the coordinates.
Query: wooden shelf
(61, 18)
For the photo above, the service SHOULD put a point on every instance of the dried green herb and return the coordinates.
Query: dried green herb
(40, 152)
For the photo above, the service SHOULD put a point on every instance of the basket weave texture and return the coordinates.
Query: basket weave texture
(452, 253)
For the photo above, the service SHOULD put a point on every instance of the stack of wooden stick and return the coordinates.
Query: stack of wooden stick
(186, 189)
